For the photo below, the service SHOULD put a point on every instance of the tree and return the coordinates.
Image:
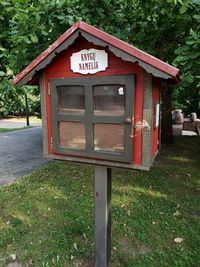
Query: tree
(187, 94)
(167, 29)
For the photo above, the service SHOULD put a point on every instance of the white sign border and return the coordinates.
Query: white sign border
(101, 58)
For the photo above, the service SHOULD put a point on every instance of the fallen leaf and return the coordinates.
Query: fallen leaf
(31, 262)
(75, 246)
(178, 240)
(84, 235)
(71, 257)
(177, 213)
(13, 256)
(85, 238)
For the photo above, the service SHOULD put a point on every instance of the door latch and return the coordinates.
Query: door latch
(128, 120)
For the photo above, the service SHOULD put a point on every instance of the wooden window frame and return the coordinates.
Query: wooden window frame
(89, 118)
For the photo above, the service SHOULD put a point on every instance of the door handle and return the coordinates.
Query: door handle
(128, 120)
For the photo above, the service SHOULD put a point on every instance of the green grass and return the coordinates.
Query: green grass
(6, 130)
(47, 219)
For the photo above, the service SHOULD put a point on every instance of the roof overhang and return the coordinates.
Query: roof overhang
(150, 64)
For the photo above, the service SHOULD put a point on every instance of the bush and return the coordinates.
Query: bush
(12, 99)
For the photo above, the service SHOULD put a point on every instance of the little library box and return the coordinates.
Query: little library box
(100, 99)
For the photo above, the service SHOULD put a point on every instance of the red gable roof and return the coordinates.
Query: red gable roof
(170, 71)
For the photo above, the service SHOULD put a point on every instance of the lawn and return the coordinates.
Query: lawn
(19, 119)
(6, 130)
(47, 219)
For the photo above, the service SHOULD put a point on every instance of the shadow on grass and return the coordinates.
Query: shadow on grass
(47, 219)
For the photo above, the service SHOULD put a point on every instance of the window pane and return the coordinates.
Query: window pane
(109, 100)
(71, 99)
(109, 137)
(72, 134)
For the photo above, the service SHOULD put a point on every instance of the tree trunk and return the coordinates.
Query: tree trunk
(26, 110)
(166, 121)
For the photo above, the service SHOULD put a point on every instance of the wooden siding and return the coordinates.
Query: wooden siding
(60, 68)
(156, 131)
(43, 113)
(146, 61)
(147, 121)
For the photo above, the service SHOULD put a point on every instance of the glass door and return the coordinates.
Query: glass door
(92, 117)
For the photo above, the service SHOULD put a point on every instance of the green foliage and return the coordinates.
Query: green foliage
(6, 130)
(168, 30)
(12, 99)
(188, 59)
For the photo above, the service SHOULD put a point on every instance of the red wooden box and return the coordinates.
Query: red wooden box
(100, 99)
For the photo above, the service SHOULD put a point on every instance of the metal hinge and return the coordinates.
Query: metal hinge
(49, 89)
(51, 143)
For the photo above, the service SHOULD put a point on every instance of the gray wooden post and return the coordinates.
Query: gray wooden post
(103, 183)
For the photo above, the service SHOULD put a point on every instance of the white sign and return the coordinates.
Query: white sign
(89, 61)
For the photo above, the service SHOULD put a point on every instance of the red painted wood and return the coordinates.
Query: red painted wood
(61, 65)
(130, 49)
(156, 99)
(48, 51)
(107, 38)
(60, 68)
